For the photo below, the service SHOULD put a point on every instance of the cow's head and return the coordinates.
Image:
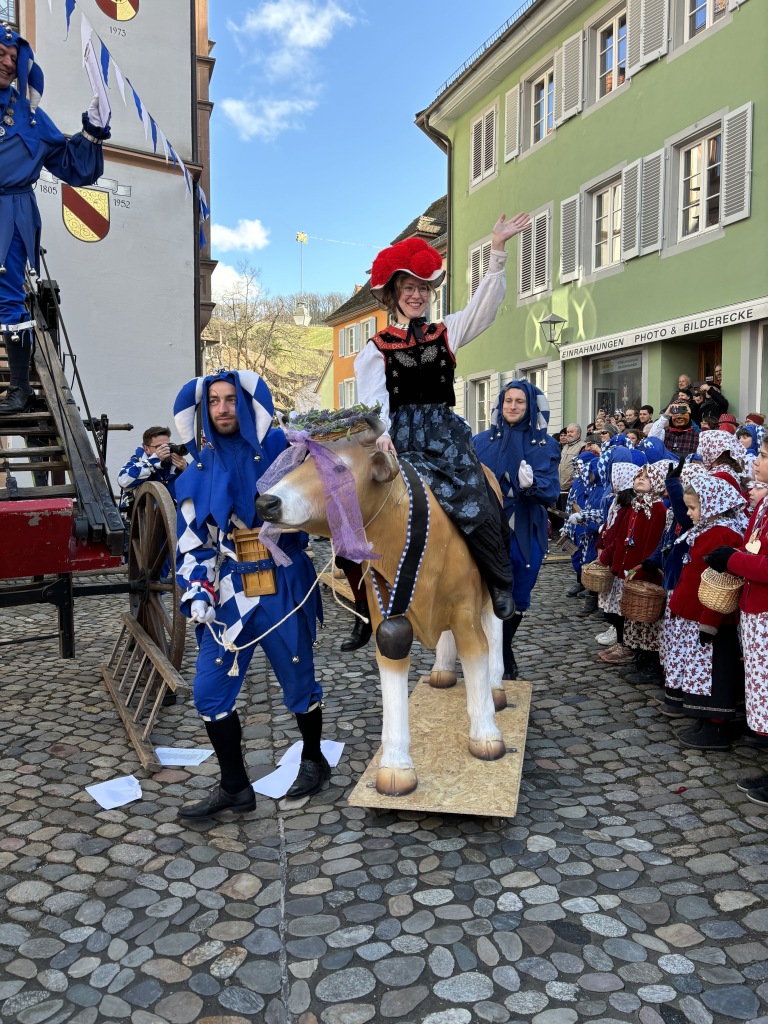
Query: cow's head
(297, 502)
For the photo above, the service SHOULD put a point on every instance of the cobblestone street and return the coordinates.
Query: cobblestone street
(631, 885)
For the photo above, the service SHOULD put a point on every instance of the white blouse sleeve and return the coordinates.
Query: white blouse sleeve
(467, 324)
(372, 381)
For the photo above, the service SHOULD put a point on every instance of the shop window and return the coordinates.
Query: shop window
(617, 383)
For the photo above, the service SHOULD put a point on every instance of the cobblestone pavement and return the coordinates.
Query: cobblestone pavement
(630, 886)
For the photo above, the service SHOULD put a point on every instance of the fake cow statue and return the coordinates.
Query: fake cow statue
(449, 594)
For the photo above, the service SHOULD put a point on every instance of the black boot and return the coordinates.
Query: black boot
(711, 736)
(234, 792)
(314, 770)
(490, 551)
(590, 603)
(509, 629)
(16, 400)
(576, 589)
(361, 631)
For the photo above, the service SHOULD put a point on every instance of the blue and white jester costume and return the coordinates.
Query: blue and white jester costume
(525, 460)
(216, 495)
(29, 141)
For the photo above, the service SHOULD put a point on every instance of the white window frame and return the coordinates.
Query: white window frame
(702, 141)
(714, 11)
(612, 21)
(546, 77)
(488, 165)
(478, 263)
(481, 397)
(590, 273)
(614, 236)
(347, 393)
(367, 331)
(437, 305)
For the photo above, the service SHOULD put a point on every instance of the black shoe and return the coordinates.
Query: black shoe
(361, 631)
(503, 603)
(16, 400)
(575, 590)
(711, 736)
(758, 796)
(219, 800)
(759, 782)
(510, 666)
(590, 603)
(312, 775)
(752, 739)
(672, 711)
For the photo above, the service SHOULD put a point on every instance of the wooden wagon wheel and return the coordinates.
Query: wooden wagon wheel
(154, 595)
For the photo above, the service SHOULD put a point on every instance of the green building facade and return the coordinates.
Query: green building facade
(636, 135)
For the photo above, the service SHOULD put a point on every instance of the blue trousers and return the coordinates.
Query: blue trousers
(525, 573)
(215, 692)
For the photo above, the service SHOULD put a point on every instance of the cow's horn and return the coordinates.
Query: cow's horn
(376, 425)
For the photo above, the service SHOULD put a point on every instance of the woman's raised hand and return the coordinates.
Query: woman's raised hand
(505, 229)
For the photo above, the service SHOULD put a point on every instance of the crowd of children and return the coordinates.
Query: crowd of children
(646, 514)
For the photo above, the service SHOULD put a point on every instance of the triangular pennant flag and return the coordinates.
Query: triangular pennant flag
(164, 142)
(136, 100)
(69, 7)
(145, 120)
(119, 79)
(105, 63)
(153, 127)
(173, 155)
(202, 239)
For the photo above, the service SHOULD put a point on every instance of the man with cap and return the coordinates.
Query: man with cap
(675, 428)
(525, 460)
(29, 141)
(216, 497)
(408, 369)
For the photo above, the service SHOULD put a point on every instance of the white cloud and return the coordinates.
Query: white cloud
(247, 236)
(297, 24)
(265, 119)
(225, 278)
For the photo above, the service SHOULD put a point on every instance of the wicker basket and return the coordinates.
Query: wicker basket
(642, 601)
(597, 577)
(719, 591)
(249, 548)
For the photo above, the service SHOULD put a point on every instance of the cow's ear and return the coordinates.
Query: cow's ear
(384, 467)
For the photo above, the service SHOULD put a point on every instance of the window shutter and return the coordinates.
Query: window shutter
(525, 259)
(341, 395)
(555, 394)
(633, 37)
(356, 335)
(569, 82)
(512, 123)
(460, 391)
(494, 387)
(475, 271)
(737, 164)
(372, 327)
(342, 337)
(569, 239)
(630, 210)
(489, 143)
(557, 80)
(353, 391)
(655, 29)
(485, 260)
(652, 202)
(541, 252)
(734, 4)
(477, 151)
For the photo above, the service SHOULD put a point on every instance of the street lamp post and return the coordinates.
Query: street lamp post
(552, 328)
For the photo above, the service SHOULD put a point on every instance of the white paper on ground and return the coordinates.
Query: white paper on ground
(278, 782)
(182, 756)
(115, 792)
(332, 751)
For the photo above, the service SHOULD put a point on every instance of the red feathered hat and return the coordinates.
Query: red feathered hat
(411, 256)
(728, 422)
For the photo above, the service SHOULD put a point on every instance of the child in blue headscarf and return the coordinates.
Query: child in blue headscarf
(525, 461)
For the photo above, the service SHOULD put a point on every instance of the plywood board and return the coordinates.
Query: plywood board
(451, 781)
(341, 586)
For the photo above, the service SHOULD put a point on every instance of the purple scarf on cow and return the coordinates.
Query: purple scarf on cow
(344, 516)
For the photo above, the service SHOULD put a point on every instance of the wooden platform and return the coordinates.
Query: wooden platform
(341, 586)
(451, 781)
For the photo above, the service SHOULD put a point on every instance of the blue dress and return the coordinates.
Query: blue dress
(24, 150)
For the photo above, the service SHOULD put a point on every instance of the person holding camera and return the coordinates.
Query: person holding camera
(675, 428)
(155, 459)
(709, 398)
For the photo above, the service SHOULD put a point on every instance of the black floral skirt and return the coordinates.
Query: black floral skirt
(438, 444)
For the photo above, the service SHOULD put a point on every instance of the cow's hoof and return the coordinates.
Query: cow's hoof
(395, 781)
(442, 679)
(487, 750)
(499, 699)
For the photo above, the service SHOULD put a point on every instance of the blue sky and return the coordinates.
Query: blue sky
(313, 131)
